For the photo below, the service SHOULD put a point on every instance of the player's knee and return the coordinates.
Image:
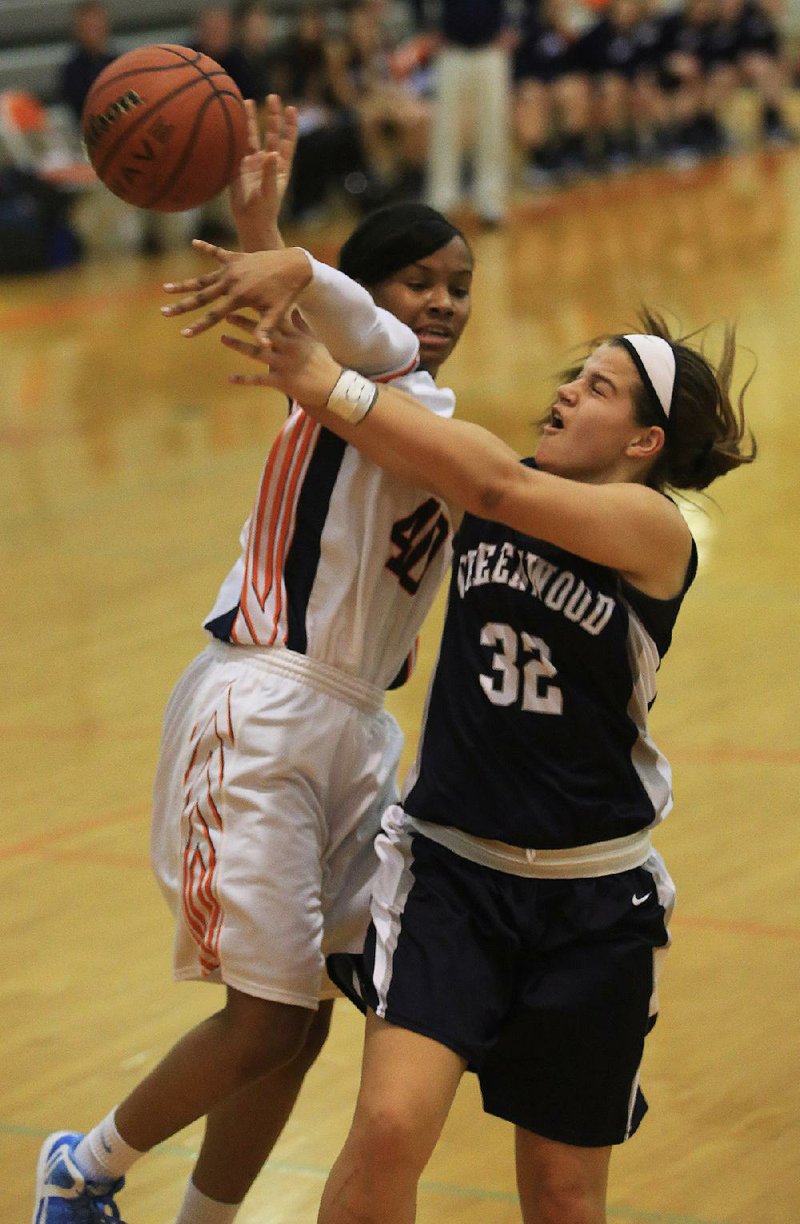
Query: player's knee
(392, 1145)
(263, 1035)
(566, 1200)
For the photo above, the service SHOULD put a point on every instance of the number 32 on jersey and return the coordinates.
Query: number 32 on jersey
(522, 671)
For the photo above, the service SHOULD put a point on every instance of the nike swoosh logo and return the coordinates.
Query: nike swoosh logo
(639, 900)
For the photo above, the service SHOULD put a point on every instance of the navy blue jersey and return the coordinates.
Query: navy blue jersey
(604, 47)
(535, 728)
(682, 36)
(544, 54)
(466, 25)
(751, 30)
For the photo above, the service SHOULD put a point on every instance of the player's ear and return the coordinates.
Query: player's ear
(646, 443)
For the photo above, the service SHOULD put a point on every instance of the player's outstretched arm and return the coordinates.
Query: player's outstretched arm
(623, 525)
(294, 361)
(340, 311)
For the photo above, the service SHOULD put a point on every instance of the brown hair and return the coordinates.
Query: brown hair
(708, 434)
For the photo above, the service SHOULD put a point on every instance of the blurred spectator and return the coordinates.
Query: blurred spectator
(393, 119)
(472, 103)
(551, 98)
(656, 130)
(215, 35)
(685, 66)
(91, 52)
(253, 32)
(302, 74)
(611, 54)
(745, 48)
(330, 152)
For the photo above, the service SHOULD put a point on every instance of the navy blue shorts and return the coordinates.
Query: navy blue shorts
(545, 987)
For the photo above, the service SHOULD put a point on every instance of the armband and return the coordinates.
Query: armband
(352, 396)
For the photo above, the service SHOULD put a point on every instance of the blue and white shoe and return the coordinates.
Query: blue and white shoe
(63, 1195)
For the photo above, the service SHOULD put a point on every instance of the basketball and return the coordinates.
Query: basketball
(164, 127)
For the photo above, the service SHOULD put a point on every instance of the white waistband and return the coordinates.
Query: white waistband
(321, 676)
(576, 862)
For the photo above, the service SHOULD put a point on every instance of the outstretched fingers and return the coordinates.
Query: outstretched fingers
(246, 348)
(288, 141)
(258, 352)
(280, 137)
(243, 321)
(203, 288)
(253, 129)
(215, 290)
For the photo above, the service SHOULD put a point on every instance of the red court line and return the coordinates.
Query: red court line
(42, 843)
(719, 754)
(728, 927)
(61, 309)
(93, 859)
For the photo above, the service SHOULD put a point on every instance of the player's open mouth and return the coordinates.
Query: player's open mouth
(556, 421)
(435, 336)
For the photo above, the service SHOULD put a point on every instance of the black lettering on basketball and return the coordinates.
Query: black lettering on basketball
(98, 125)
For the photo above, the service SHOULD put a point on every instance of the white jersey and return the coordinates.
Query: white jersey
(340, 560)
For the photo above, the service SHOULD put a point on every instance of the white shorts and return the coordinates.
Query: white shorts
(273, 774)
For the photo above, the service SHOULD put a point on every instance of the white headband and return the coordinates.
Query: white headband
(654, 358)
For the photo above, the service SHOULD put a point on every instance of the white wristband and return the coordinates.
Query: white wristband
(352, 396)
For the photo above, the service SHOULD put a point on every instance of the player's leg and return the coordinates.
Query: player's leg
(564, 1068)
(435, 965)
(241, 1131)
(559, 1183)
(248, 1039)
(407, 1087)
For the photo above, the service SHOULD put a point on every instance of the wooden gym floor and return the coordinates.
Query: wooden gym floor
(127, 465)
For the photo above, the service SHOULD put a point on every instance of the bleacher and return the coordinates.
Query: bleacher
(35, 34)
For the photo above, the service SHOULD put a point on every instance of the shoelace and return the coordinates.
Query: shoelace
(102, 1207)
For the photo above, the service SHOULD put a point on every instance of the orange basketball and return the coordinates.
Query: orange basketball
(164, 127)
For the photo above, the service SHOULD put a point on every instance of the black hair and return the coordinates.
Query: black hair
(393, 237)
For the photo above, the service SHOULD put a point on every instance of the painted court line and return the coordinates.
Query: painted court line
(729, 927)
(286, 1168)
(43, 845)
(76, 306)
(712, 754)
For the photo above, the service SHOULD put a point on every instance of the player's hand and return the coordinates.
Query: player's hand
(258, 190)
(267, 281)
(296, 362)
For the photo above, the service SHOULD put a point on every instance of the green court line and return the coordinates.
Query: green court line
(289, 1169)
